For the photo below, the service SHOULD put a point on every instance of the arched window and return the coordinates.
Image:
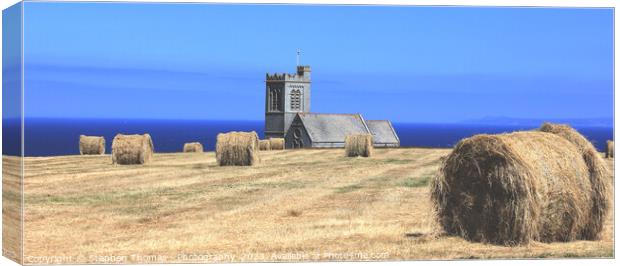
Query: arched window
(295, 99)
(274, 99)
(298, 141)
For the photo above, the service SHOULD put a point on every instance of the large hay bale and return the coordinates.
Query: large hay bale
(132, 149)
(568, 133)
(609, 152)
(193, 147)
(264, 144)
(513, 188)
(90, 145)
(276, 143)
(237, 148)
(358, 145)
(599, 175)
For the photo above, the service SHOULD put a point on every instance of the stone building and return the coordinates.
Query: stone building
(288, 116)
(286, 95)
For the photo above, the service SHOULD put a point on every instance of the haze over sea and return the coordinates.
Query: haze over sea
(52, 136)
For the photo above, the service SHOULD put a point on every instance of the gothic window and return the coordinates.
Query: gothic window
(274, 100)
(269, 99)
(298, 142)
(295, 99)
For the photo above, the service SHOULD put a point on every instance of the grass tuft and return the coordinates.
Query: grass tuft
(348, 188)
(416, 182)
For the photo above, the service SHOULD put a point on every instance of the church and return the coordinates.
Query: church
(288, 116)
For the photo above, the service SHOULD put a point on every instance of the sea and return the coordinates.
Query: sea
(50, 137)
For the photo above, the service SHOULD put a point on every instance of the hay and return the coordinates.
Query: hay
(511, 189)
(193, 147)
(92, 145)
(237, 148)
(358, 145)
(568, 133)
(599, 176)
(132, 149)
(609, 152)
(276, 143)
(264, 144)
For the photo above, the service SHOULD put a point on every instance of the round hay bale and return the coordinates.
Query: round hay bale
(568, 133)
(358, 145)
(599, 175)
(193, 147)
(511, 189)
(237, 148)
(264, 145)
(276, 143)
(92, 145)
(132, 149)
(609, 152)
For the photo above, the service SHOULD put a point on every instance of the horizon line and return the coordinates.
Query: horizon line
(473, 121)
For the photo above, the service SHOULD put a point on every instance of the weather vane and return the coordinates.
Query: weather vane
(298, 54)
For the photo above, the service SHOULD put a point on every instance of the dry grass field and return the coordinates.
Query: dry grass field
(296, 205)
(11, 207)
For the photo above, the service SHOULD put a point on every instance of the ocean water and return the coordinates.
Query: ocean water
(47, 137)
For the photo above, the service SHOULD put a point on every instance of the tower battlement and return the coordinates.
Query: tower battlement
(275, 77)
(302, 75)
(303, 70)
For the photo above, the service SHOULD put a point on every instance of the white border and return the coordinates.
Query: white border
(520, 3)
(513, 3)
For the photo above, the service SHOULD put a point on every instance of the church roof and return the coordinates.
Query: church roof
(382, 132)
(332, 127)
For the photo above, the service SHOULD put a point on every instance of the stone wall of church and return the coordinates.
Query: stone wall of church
(301, 138)
(274, 125)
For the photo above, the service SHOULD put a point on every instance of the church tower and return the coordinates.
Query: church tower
(286, 95)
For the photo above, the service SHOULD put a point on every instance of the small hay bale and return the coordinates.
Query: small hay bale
(609, 152)
(132, 149)
(276, 143)
(511, 189)
(193, 147)
(264, 145)
(92, 145)
(237, 148)
(358, 145)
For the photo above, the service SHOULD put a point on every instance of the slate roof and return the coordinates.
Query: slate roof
(382, 132)
(333, 127)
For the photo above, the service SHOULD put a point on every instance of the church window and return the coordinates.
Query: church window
(295, 99)
(274, 99)
(298, 142)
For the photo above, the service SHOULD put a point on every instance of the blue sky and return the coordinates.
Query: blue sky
(406, 64)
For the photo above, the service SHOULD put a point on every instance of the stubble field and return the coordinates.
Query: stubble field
(296, 205)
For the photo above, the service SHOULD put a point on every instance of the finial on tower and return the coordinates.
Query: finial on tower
(298, 54)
